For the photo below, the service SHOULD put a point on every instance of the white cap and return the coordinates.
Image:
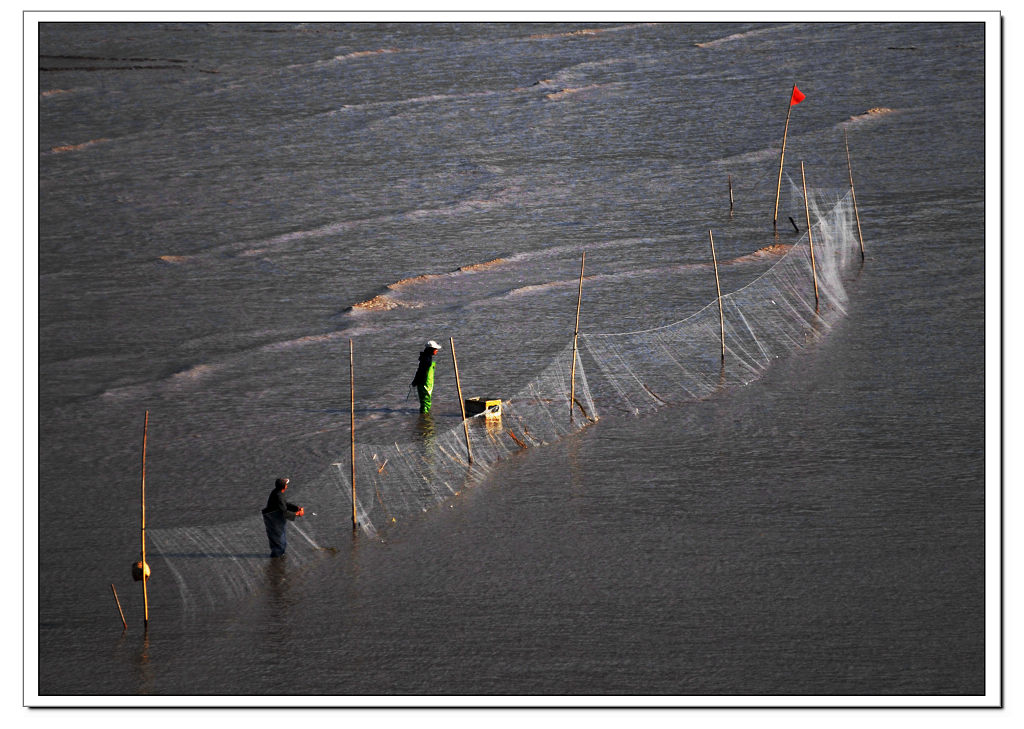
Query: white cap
(433, 345)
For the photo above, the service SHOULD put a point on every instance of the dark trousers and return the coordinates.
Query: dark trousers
(276, 534)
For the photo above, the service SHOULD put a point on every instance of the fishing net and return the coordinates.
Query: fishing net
(774, 314)
(786, 307)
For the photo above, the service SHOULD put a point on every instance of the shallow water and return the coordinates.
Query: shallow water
(210, 216)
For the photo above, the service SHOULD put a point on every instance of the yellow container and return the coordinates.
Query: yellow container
(477, 405)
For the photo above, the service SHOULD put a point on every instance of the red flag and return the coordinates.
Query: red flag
(798, 96)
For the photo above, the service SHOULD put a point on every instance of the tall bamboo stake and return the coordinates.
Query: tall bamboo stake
(810, 239)
(853, 192)
(145, 591)
(119, 610)
(721, 314)
(782, 157)
(575, 338)
(352, 424)
(462, 403)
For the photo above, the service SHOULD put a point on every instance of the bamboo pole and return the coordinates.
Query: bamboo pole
(810, 239)
(462, 403)
(730, 195)
(145, 591)
(119, 610)
(575, 339)
(782, 157)
(853, 192)
(718, 284)
(352, 425)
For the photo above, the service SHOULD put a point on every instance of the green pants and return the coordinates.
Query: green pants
(424, 394)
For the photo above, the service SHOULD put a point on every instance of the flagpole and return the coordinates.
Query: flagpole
(782, 157)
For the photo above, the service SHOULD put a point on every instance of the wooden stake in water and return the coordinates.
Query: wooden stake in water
(810, 239)
(853, 193)
(782, 157)
(352, 425)
(721, 314)
(145, 578)
(575, 338)
(462, 403)
(119, 610)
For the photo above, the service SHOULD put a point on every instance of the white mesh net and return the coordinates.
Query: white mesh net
(772, 315)
(627, 373)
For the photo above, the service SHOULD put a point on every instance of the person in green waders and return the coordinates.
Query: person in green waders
(424, 379)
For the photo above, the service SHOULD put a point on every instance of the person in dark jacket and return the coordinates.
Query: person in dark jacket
(276, 516)
(424, 379)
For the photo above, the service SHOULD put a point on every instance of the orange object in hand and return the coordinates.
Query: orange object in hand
(300, 512)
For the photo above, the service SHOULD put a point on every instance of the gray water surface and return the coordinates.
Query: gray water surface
(214, 198)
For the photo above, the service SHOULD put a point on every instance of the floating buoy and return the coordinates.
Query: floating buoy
(138, 569)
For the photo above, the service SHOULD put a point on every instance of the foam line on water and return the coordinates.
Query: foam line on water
(746, 35)
(587, 32)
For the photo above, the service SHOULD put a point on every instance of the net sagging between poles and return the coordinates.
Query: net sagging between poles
(632, 373)
(222, 564)
(774, 314)
(396, 480)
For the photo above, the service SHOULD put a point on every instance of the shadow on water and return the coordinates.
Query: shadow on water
(137, 661)
(426, 428)
(412, 410)
(370, 412)
(276, 574)
(146, 678)
(216, 555)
